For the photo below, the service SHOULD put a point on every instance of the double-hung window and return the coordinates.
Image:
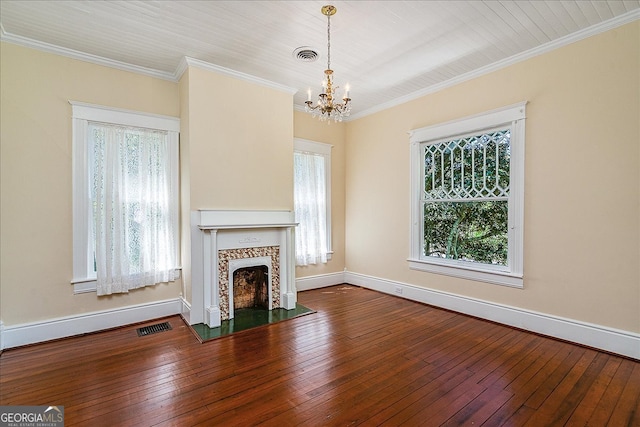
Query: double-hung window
(467, 197)
(125, 217)
(312, 201)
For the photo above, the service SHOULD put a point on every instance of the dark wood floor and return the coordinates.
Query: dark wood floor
(364, 358)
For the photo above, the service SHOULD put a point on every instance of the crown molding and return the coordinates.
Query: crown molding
(185, 62)
(616, 22)
(182, 67)
(81, 56)
(192, 62)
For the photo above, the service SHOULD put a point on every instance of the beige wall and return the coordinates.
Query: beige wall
(185, 187)
(240, 144)
(35, 177)
(582, 183)
(312, 129)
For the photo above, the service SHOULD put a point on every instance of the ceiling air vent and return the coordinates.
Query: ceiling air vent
(305, 54)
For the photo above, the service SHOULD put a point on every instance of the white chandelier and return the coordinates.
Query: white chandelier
(326, 108)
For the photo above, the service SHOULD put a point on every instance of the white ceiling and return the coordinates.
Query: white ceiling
(387, 51)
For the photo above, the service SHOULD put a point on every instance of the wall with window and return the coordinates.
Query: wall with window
(236, 153)
(36, 184)
(581, 185)
(309, 128)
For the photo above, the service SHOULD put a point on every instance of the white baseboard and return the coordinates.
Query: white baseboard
(185, 310)
(608, 339)
(31, 333)
(319, 281)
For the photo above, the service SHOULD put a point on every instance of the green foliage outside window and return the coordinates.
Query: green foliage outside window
(465, 201)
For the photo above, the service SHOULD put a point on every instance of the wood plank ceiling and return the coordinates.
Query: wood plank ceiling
(387, 51)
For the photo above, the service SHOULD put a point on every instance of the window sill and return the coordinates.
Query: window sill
(482, 275)
(83, 286)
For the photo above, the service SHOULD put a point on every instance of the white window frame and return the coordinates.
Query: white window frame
(512, 116)
(320, 149)
(84, 278)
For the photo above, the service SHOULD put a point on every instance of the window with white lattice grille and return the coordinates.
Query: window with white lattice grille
(467, 197)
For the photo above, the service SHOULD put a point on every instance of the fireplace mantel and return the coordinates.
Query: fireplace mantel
(217, 233)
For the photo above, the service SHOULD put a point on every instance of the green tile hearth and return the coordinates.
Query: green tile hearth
(248, 318)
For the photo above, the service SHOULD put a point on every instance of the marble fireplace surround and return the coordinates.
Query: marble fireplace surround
(225, 240)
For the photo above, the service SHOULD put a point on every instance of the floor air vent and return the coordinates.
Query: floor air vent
(153, 329)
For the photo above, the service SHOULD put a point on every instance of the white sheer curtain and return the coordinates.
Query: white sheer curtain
(310, 208)
(131, 198)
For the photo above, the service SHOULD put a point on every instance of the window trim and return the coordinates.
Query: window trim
(322, 149)
(512, 274)
(83, 278)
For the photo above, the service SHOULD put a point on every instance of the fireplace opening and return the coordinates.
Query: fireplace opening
(251, 287)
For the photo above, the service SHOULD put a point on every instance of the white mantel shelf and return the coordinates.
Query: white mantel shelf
(223, 219)
(243, 226)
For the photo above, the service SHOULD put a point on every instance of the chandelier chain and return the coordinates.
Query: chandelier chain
(328, 42)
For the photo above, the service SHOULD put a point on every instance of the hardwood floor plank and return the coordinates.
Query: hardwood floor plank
(364, 358)
(447, 405)
(480, 409)
(377, 393)
(543, 392)
(604, 409)
(522, 371)
(560, 404)
(422, 398)
(580, 417)
(514, 412)
(627, 409)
